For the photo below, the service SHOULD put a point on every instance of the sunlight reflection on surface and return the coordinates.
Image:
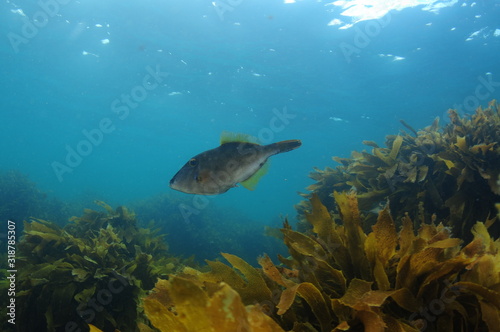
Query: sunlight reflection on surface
(362, 10)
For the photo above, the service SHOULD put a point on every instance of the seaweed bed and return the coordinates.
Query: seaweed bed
(402, 238)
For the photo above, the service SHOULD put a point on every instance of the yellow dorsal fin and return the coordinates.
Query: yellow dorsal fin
(227, 137)
(251, 182)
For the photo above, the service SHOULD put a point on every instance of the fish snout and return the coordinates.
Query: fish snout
(172, 182)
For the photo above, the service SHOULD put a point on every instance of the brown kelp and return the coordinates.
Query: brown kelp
(181, 304)
(340, 278)
(451, 172)
(94, 270)
(399, 281)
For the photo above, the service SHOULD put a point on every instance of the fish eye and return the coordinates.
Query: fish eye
(193, 162)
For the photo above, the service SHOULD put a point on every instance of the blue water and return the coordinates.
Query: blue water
(233, 66)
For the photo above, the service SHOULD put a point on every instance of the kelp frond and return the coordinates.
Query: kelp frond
(450, 171)
(100, 257)
(339, 278)
(394, 278)
(181, 304)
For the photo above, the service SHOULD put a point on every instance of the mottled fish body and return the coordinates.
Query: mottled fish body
(235, 161)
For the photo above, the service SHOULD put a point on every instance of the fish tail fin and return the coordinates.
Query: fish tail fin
(285, 146)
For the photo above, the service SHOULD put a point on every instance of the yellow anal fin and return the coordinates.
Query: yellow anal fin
(251, 182)
(228, 137)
